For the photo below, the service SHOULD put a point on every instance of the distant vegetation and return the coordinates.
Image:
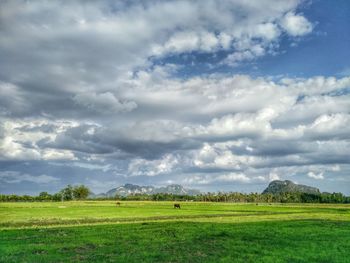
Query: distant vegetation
(79, 192)
(276, 192)
(296, 197)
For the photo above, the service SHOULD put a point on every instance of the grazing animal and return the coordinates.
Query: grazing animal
(177, 206)
(117, 203)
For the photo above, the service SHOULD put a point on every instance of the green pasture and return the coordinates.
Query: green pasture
(99, 231)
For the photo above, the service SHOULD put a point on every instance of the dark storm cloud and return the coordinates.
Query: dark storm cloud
(78, 139)
(46, 128)
(94, 139)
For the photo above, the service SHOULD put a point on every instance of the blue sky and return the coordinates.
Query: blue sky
(324, 52)
(214, 95)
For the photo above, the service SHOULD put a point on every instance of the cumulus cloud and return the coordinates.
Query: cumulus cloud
(296, 25)
(237, 122)
(99, 87)
(325, 127)
(153, 167)
(73, 61)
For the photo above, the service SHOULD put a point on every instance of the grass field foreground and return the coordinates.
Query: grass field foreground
(98, 231)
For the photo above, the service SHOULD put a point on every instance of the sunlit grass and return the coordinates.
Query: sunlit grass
(47, 213)
(156, 232)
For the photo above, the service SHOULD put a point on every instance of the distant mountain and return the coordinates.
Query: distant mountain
(276, 187)
(130, 189)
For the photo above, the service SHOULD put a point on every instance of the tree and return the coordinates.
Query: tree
(44, 196)
(81, 192)
(67, 193)
(57, 197)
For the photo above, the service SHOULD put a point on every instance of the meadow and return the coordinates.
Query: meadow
(99, 231)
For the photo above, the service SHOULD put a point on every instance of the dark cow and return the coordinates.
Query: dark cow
(117, 203)
(177, 206)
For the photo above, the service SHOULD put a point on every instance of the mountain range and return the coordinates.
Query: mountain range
(275, 187)
(130, 189)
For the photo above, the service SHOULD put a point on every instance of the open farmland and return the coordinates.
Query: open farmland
(156, 232)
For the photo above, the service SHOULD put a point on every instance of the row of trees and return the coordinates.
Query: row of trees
(81, 192)
(78, 192)
(294, 197)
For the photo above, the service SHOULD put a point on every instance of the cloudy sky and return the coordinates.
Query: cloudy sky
(215, 95)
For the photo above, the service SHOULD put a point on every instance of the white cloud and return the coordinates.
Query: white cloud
(50, 154)
(154, 167)
(251, 53)
(330, 126)
(273, 176)
(12, 150)
(335, 168)
(318, 176)
(296, 25)
(179, 43)
(268, 31)
(224, 178)
(241, 124)
(233, 177)
(20, 138)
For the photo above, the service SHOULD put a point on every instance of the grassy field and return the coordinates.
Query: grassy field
(98, 231)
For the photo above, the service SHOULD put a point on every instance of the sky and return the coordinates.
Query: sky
(222, 95)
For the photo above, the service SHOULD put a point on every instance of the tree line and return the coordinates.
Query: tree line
(78, 192)
(236, 197)
(82, 192)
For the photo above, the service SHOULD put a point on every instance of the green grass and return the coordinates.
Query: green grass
(156, 232)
